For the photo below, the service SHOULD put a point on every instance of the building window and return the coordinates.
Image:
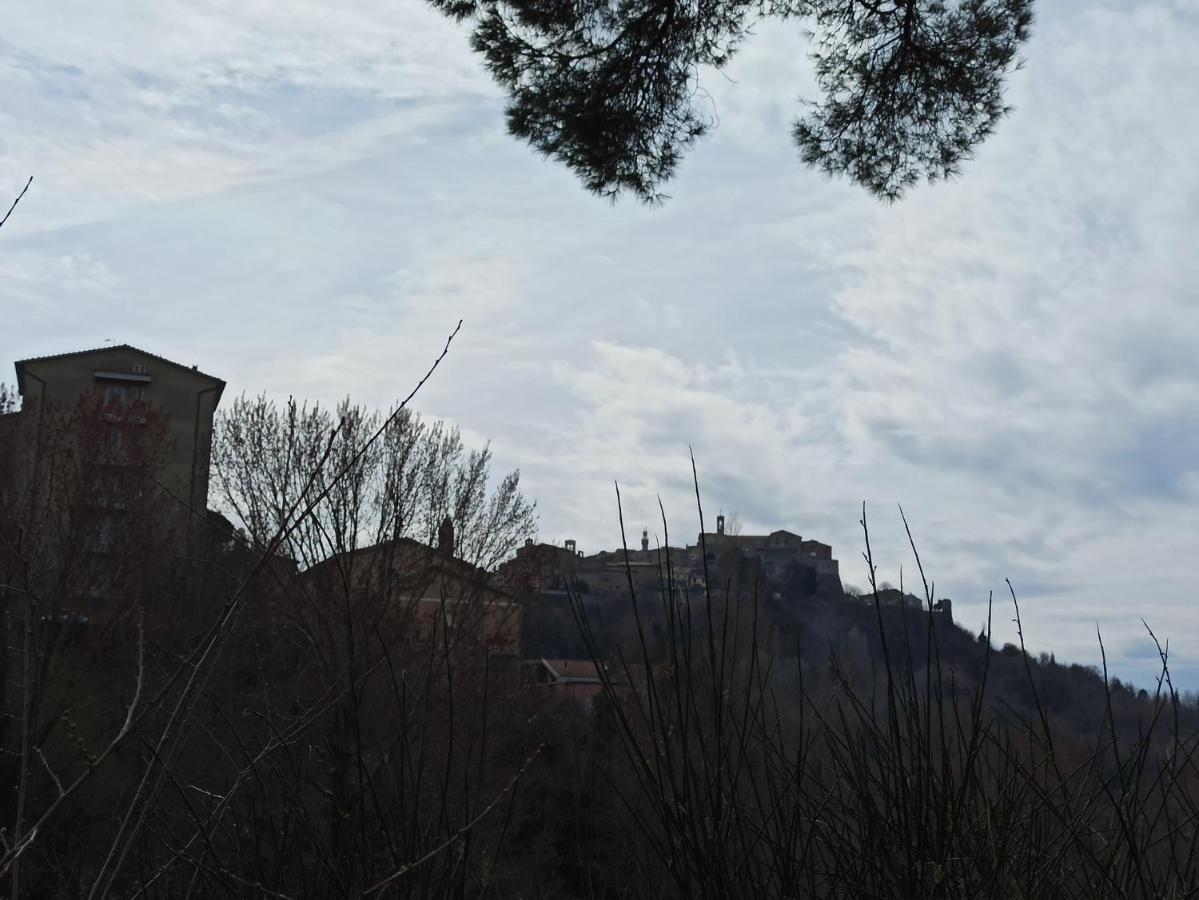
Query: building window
(104, 534)
(114, 393)
(114, 440)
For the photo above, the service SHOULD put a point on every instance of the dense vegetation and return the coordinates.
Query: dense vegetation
(270, 717)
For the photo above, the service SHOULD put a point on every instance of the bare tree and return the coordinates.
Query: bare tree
(387, 659)
(403, 485)
(10, 400)
(160, 745)
(85, 542)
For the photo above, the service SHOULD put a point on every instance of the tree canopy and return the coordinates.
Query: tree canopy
(611, 88)
(380, 478)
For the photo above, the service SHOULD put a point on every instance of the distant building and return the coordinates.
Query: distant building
(803, 566)
(576, 679)
(893, 597)
(780, 553)
(650, 569)
(541, 567)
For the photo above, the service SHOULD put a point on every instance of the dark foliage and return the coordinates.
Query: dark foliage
(910, 87)
(879, 769)
(612, 88)
(364, 726)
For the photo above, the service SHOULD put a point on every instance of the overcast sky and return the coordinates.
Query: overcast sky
(305, 202)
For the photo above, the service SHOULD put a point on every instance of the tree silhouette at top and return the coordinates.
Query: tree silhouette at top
(611, 87)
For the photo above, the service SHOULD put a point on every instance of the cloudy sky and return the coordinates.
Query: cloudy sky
(306, 202)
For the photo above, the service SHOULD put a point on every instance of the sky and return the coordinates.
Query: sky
(305, 198)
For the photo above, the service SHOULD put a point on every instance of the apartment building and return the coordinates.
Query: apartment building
(104, 476)
(186, 398)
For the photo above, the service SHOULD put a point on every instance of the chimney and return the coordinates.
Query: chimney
(644, 540)
(445, 536)
(720, 524)
(570, 545)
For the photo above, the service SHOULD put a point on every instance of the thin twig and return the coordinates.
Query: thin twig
(15, 202)
(457, 835)
(53, 774)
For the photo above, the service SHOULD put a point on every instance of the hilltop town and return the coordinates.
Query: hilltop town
(382, 632)
(780, 554)
(526, 598)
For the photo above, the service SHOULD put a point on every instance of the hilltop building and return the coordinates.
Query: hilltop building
(889, 597)
(544, 568)
(548, 568)
(781, 553)
(538, 567)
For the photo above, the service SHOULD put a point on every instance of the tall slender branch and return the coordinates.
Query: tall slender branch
(15, 202)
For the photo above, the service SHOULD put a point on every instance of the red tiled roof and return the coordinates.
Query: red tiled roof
(573, 669)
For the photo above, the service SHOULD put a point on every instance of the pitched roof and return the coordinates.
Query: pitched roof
(20, 364)
(573, 670)
(431, 558)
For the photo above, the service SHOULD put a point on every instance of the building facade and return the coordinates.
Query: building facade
(104, 476)
(780, 553)
(121, 374)
(417, 594)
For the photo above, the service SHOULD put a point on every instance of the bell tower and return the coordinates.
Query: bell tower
(445, 536)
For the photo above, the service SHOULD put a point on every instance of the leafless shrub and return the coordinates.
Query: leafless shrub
(759, 773)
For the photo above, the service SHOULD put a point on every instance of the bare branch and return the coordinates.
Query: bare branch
(15, 202)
